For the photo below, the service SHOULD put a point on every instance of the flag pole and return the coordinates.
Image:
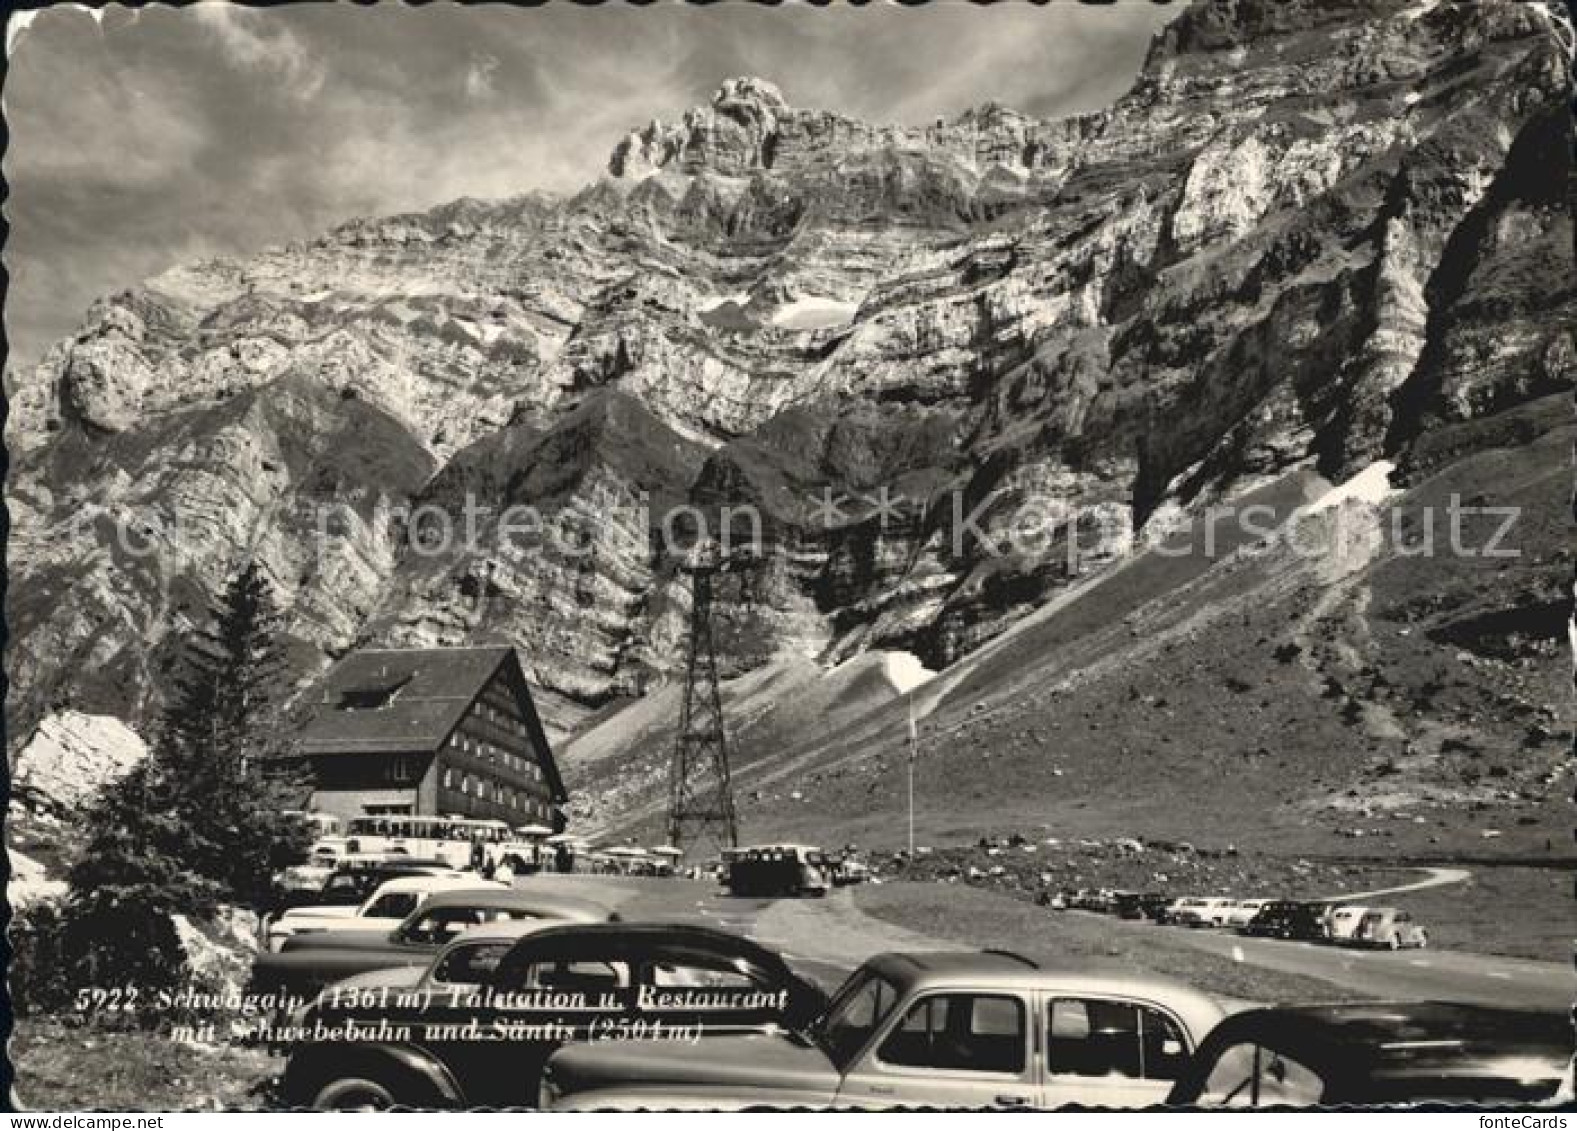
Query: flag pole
(913, 743)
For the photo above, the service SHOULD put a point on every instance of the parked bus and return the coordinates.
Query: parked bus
(460, 842)
(776, 869)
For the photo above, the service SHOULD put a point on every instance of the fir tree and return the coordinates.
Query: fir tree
(202, 821)
(231, 676)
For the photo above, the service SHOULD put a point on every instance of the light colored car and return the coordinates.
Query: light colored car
(385, 909)
(1242, 912)
(329, 849)
(988, 1029)
(1341, 924)
(1390, 927)
(310, 960)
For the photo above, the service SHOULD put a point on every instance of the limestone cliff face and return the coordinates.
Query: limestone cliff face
(1310, 233)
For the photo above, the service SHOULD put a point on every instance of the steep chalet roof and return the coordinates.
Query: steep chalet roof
(409, 700)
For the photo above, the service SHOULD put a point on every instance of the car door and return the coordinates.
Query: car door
(950, 1048)
(1110, 1052)
(569, 990)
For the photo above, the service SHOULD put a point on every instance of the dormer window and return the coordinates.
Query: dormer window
(372, 698)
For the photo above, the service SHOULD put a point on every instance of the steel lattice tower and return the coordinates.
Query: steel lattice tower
(700, 794)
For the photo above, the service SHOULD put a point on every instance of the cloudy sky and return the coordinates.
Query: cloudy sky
(145, 138)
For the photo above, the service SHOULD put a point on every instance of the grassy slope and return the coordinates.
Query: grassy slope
(1421, 701)
(60, 1068)
(1179, 719)
(1524, 912)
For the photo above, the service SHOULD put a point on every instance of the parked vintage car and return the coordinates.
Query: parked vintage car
(987, 1029)
(1197, 912)
(850, 871)
(1099, 900)
(387, 906)
(1379, 1053)
(1341, 923)
(776, 869)
(1242, 912)
(1288, 919)
(562, 983)
(1389, 927)
(1138, 905)
(463, 964)
(348, 882)
(1127, 905)
(1154, 905)
(305, 963)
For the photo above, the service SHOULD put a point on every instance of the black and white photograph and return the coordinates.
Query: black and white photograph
(805, 556)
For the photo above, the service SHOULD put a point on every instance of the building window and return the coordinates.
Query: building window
(448, 777)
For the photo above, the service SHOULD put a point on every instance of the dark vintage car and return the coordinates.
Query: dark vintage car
(558, 985)
(1289, 919)
(1139, 905)
(1379, 1053)
(1126, 905)
(1092, 899)
(1154, 905)
(308, 962)
(987, 1029)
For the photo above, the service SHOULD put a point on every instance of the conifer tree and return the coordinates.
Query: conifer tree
(202, 820)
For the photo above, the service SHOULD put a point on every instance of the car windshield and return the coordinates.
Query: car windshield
(855, 1012)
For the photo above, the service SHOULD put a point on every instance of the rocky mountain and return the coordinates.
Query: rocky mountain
(953, 373)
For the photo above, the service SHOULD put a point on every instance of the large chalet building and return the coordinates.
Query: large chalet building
(430, 732)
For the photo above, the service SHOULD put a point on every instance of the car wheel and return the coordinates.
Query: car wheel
(354, 1093)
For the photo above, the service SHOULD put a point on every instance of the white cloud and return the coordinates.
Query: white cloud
(109, 132)
(258, 41)
(479, 75)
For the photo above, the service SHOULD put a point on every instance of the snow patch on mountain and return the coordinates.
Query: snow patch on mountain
(1372, 485)
(814, 314)
(905, 671)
